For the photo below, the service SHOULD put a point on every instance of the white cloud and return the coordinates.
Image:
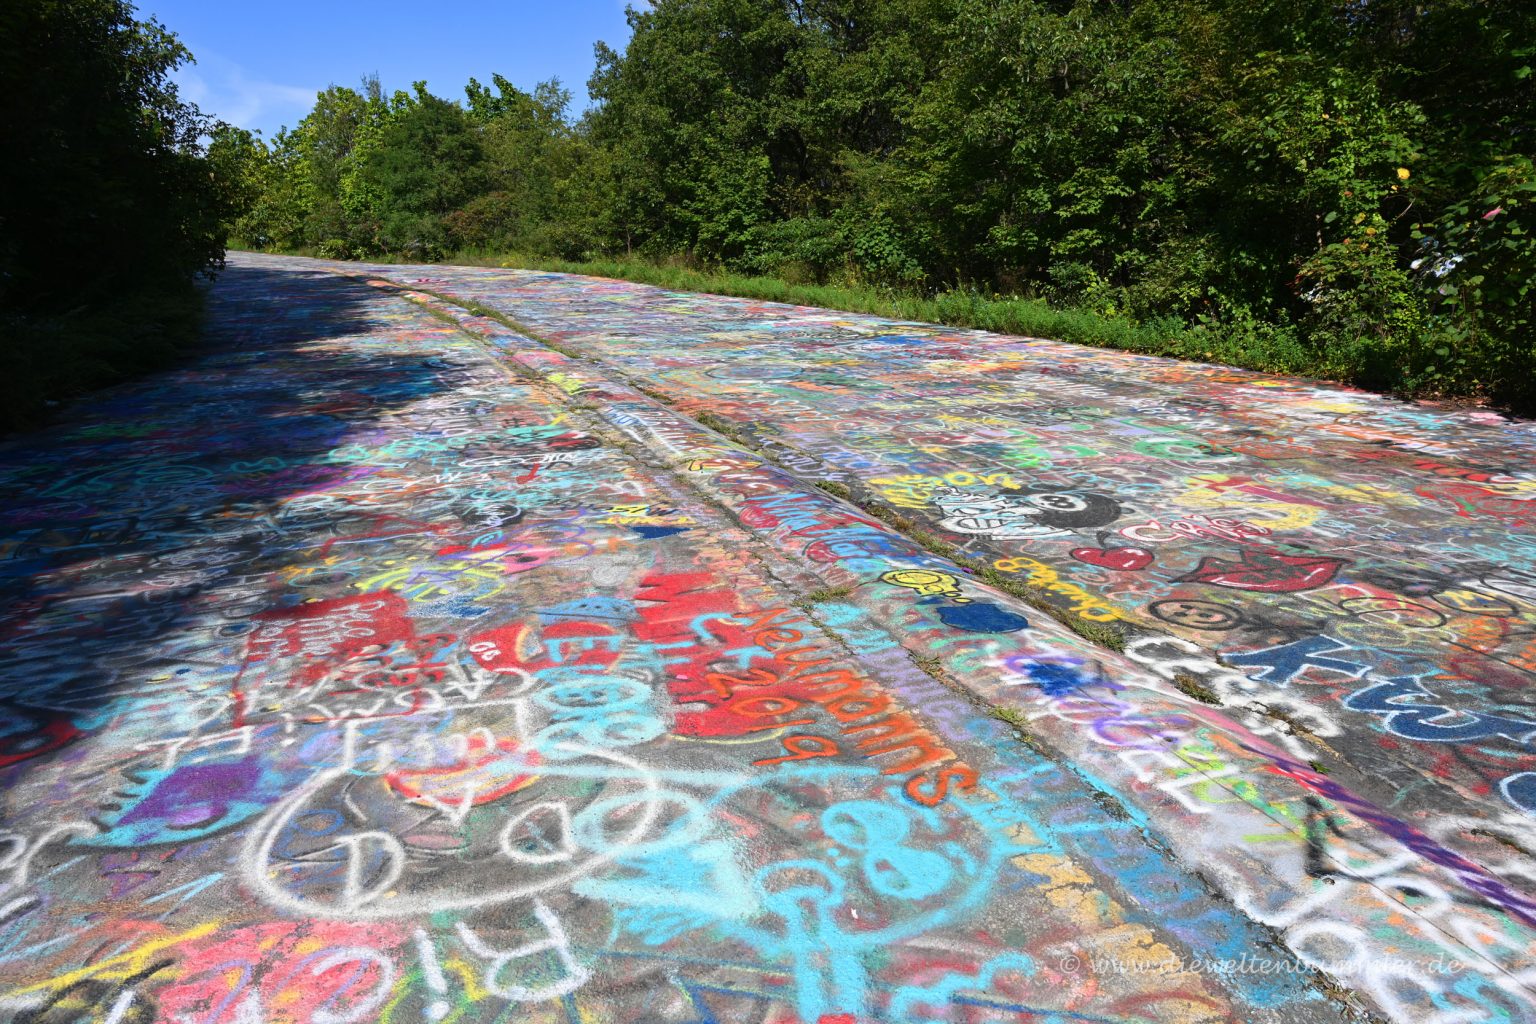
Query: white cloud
(224, 89)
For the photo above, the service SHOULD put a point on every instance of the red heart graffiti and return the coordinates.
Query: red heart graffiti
(1130, 559)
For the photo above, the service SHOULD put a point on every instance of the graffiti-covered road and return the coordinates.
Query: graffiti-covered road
(388, 664)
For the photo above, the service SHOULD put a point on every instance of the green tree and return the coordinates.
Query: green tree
(109, 206)
(239, 163)
(429, 162)
(107, 165)
(1309, 179)
(533, 156)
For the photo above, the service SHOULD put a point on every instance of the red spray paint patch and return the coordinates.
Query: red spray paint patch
(335, 629)
(285, 973)
(1266, 572)
(1127, 559)
(484, 773)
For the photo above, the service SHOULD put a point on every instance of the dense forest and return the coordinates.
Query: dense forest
(1333, 186)
(111, 204)
(1341, 188)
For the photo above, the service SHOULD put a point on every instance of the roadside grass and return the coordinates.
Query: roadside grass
(821, 594)
(1192, 687)
(1243, 342)
(1263, 348)
(719, 424)
(46, 360)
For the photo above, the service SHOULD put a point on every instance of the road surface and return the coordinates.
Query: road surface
(389, 663)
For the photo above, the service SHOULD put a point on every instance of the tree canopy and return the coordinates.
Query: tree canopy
(1353, 179)
(107, 187)
(115, 194)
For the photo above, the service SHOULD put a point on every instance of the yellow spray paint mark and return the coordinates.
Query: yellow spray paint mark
(118, 967)
(1139, 960)
(926, 582)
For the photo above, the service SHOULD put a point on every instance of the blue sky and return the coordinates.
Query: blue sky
(260, 62)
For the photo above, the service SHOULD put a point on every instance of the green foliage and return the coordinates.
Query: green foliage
(107, 163)
(1291, 185)
(1480, 261)
(238, 162)
(416, 176)
(110, 205)
(427, 164)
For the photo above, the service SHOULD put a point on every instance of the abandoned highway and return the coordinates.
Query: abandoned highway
(484, 645)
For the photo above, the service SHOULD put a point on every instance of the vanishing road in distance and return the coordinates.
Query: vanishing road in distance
(456, 644)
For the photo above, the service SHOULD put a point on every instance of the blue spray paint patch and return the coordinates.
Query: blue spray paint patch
(1053, 680)
(654, 532)
(1520, 790)
(1283, 663)
(1413, 712)
(982, 617)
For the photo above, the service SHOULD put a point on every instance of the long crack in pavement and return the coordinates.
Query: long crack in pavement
(387, 663)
